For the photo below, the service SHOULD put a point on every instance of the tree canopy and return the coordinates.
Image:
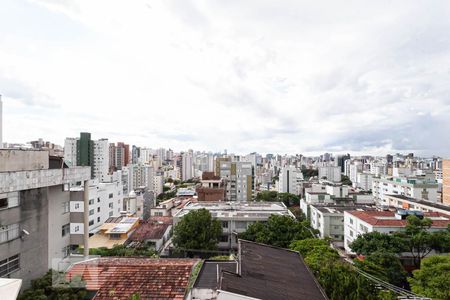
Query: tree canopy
(53, 285)
(197, 230)
(273, 196)
(278, 231)
(415, 239)
(121, 250)
(433, 278)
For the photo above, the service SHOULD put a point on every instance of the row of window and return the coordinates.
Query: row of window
(9, 201)
(9, 265)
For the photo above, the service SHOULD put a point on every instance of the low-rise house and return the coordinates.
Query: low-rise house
(155, 232)
(121, 277)
(359, 222)
(115, 231)
(260, 272)
(170, 207)
(235, 217)
(329, 220)
(211, 188)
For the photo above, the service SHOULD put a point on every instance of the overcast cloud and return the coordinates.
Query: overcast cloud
(268, 76)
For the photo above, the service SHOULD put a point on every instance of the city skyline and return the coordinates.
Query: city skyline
(244, 77)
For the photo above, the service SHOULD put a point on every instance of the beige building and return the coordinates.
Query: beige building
(446, 181)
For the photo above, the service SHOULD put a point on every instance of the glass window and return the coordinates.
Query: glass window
(91, 212)
(3, 203)
(65, 229)
(66, 207)
(225, 224)
(9, 265)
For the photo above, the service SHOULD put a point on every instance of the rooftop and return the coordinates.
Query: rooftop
(423, 202)
(119, 278)
(149, 231)
(210, 273)
(388, 218)
(339, 209)
(272, 273)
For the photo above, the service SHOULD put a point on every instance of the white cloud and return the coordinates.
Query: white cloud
(245, 76)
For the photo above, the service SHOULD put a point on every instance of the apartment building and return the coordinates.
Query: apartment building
(361, 221)
(105, 201)
(35, 212)
(238, 177)
(330, 173)
(420, 187)
(235, 217)
(446, 181)
(289, 180)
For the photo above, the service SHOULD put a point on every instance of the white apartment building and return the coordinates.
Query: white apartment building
(331, 173)
(355, 167)
(419, 187)
(361, 221)
(101, 159)
(141, 175)
(363, 181)
(289, 180)
(235, 217)
(105, 200)
(187, 166)
(158, 184)
(70, 151)
(238, 177)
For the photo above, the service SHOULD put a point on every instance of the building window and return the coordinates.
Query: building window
(98, 209)
(65, 229)
(110, 213)
(77, 228)
(98, 200)
(77, 205)
(224, 238)
(9, 265)
(351, 221)
(351, 233)
(91, 212)
(225, 224)
(3, 203)
(111, 205)
(111, 195)
(114, 236)
(66, 251)
(98, 219)
(66, 207)
(91, 222)
(91, 201)
(9, 232)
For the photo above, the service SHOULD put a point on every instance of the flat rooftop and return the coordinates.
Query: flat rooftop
(423, 202)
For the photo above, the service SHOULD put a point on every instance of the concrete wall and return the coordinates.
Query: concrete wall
(32, 215)
(23, 160)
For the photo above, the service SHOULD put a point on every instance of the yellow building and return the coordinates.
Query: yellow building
(446, 181)
(115, 231)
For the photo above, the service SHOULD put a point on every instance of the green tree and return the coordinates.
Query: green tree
(268, 196)
(289, 199)
(345, 180)
(197, 230)
(377, 242)
(53, 285)
(433, 278)
(418, 239)
(121, 250)
(278, 231)
(384, 265)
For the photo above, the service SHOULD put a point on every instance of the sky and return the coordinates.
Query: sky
(307, 77)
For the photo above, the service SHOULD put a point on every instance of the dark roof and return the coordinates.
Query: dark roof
(149, 231)
(211, 269)
(114, 219)
(119, 278)
(272, 273)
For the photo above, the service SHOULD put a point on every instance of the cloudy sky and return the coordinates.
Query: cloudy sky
(268, 76)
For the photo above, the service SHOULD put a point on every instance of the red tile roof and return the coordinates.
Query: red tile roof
(116, 278)
(375, 218)
(149, 231)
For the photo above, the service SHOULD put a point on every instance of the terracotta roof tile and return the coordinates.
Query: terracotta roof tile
(117, 278)
(375, 218)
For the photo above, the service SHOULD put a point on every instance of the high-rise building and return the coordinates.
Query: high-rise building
(85, 150)
(446, 181)
(141, 176)
(289, 180)
(135, 153)
(35, 215)
(238, 177)
(330, 173)
(187, 166)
